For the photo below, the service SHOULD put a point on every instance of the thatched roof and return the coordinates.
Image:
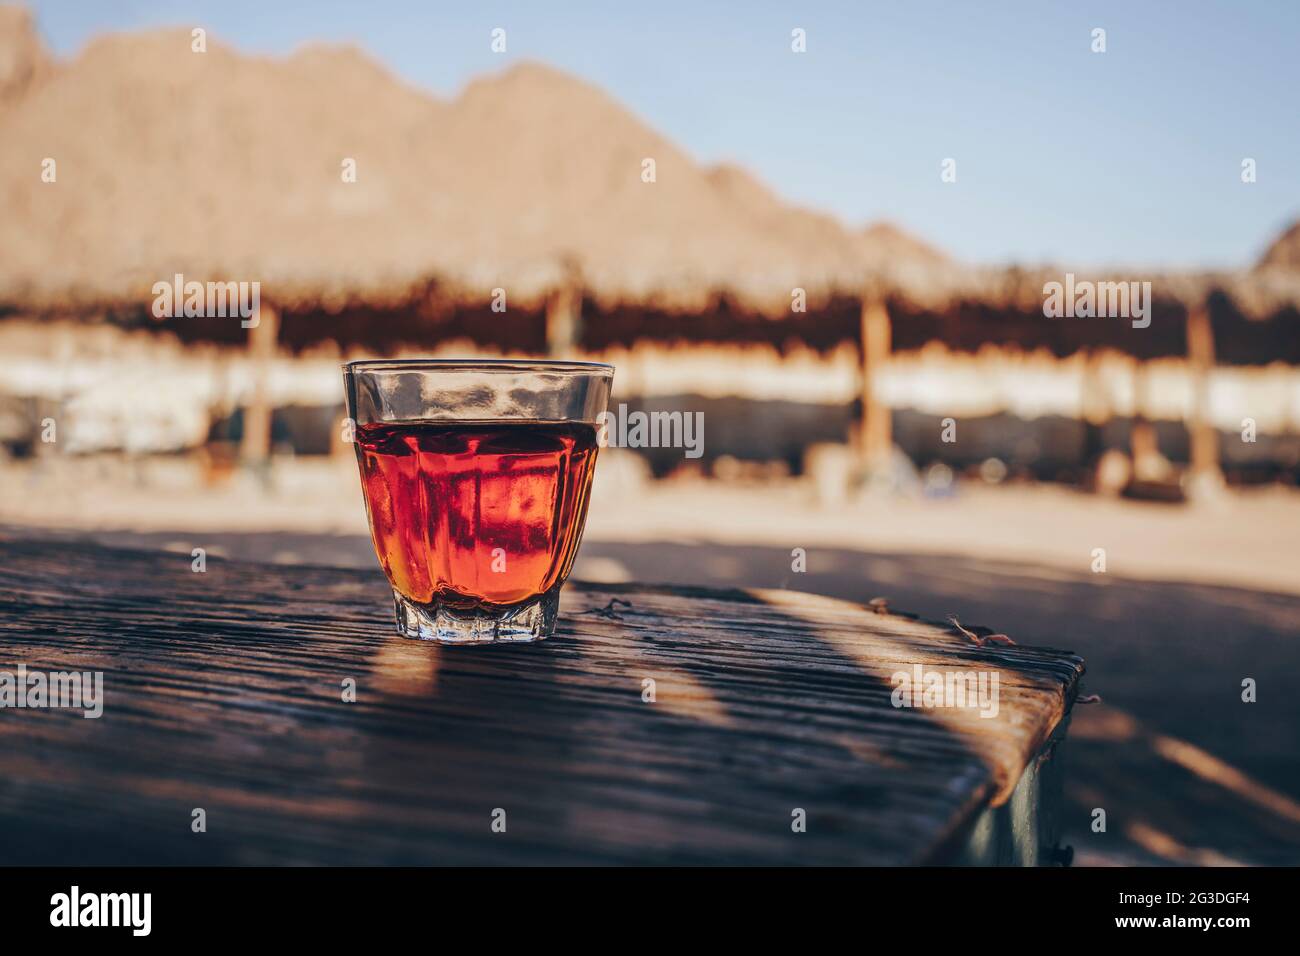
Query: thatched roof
(223, 166)
(1255, 295)
(23, 59)
(1283, 254)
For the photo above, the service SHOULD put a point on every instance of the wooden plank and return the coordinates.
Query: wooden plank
(222, 691)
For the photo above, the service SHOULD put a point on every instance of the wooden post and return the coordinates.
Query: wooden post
(255, 447)
(563, 317)
(1144, 445)
(1095, 407)
(1094, 398)
(1205, 472)
(1141, 390)
(876, 439)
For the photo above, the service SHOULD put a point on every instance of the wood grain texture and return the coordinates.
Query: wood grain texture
(223, 690)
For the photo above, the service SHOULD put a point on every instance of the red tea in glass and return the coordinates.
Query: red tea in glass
(478, 514)
(476, 478)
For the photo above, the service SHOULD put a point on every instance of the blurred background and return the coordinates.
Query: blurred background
(829, 232)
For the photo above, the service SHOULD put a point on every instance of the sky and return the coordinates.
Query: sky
(1062, 154)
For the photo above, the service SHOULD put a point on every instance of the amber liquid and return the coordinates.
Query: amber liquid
(476, 514)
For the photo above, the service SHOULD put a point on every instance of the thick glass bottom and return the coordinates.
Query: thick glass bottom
(531, 620)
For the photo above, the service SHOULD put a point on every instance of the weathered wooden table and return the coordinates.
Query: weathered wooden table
(768, 734)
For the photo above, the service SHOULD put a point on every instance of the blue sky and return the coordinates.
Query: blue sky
(1132, 155)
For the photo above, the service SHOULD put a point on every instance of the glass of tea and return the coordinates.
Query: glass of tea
(476, 476)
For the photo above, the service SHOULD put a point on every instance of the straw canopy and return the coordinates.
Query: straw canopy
(23, 60)
(1283, 255)
(141, 159)
(223, 167)
(1255, 295)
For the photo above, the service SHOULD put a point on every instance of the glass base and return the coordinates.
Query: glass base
(532, 620)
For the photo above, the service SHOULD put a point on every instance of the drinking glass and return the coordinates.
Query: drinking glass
(476, 476)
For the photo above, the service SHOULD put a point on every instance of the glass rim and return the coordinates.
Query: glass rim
(479, 365)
